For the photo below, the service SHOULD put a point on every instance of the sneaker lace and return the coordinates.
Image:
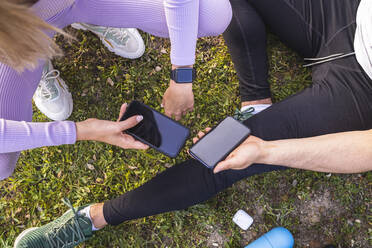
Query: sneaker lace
(243, 115)
(120, 33)
(54, 236)
(47, 89)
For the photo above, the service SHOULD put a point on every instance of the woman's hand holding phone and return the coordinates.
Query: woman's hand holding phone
(246, 154)
(110, 132)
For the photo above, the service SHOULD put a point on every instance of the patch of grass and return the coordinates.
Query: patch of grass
(32, 196)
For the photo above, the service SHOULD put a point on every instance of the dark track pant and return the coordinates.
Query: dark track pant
(339, 100)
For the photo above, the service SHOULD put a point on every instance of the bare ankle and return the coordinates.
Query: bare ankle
(96, 214)
(256, 102)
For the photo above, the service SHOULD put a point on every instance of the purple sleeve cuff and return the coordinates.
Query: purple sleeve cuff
(183, 61)
(57, 133)
(20, 135)
(69, 134)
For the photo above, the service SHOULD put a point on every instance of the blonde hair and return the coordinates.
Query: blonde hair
(23, 38)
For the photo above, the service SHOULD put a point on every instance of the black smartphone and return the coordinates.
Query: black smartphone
(216, 145)
(156, 130)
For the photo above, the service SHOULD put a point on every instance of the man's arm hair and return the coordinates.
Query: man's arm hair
(349, 152)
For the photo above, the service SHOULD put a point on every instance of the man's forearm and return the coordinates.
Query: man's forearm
(349, 152)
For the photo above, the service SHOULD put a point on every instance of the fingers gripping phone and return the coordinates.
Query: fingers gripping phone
(216, 145)
(156, 130)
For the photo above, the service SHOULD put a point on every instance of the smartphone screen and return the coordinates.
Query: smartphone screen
(216, 145)
(156, 129)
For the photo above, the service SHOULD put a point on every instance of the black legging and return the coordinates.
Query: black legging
(339, 99)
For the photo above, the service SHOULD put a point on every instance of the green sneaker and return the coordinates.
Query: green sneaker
(67, 231)
(243, 115)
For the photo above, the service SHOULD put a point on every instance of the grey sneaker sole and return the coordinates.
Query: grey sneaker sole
(22, 235)
(136, 55)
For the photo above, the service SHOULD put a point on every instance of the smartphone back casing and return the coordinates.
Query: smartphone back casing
(216, 145)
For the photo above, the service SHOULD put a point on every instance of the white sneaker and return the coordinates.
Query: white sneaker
(52, 97)
(125, 42)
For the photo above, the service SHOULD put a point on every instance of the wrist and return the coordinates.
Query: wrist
(181, 66)
(265, 150)
(82, 131)
(187, 86)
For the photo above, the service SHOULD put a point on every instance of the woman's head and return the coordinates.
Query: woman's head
(23, 39)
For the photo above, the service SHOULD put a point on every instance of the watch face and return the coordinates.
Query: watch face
(184, 75)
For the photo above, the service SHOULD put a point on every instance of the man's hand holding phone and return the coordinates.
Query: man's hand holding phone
(246, 154)
(111, 132)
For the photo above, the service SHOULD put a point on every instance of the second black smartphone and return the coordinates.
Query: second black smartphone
(156, 130)
(216, 145)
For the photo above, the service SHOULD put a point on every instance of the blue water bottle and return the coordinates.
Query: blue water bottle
(278, 237)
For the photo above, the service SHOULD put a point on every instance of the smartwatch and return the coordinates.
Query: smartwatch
(183, 75)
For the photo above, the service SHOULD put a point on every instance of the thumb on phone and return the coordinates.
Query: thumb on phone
(224, 165)
(130, 122)
(123, 108)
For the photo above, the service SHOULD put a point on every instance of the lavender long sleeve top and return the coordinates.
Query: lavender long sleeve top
(180, 20)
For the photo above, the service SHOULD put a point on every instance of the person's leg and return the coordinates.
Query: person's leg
(321, 109)
(149, 15)
(177, 188)
(16, 91)
(338, 101)
(326, 107)
(7, 164)
(246, 39)
(299, 24)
